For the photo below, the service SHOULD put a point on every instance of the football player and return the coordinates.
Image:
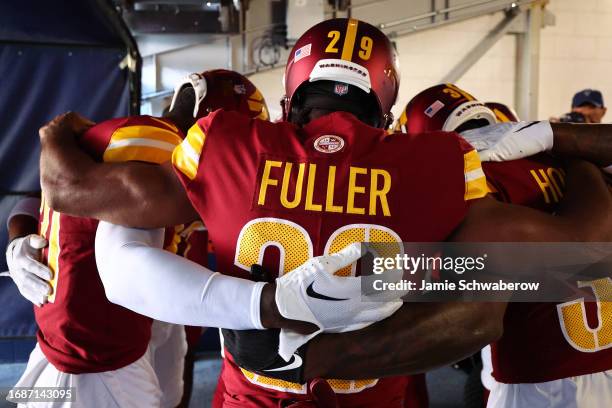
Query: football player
(460, 111)
(280, 193)
(85, 341)
(539, 361)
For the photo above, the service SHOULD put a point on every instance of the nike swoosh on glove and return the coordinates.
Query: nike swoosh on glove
(31, 277)
(312, 293)
(510, 141)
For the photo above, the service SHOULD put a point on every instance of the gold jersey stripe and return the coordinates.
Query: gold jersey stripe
(476, 189)
(168, 124)
(176, 240)
(471, 161)
(191, 228)
(54, 251)
(476, 185)
(146, 132)
(138, 153)
(403, 119)
(186, 156)
(44, 225)
(184, 163)
(349, 40)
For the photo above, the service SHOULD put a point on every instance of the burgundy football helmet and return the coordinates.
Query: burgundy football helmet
(223, 89)
(502, 112)
(443, 107)
(347, 51)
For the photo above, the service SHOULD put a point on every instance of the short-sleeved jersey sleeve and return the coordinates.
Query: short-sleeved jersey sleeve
(186, 156)
(476, 185)
(229, 132)
(218, 158)
(139, 138)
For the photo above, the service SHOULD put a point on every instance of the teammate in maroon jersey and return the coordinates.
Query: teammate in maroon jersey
(316, 188)
(536, 349)
(81, 332)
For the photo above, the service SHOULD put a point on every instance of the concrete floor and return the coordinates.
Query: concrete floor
(445, 385)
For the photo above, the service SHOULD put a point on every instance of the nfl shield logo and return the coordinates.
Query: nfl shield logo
(341, 89)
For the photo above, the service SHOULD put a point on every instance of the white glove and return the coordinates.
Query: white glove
(312, 293)
(31, 277)
(510, 141)
(608, 169)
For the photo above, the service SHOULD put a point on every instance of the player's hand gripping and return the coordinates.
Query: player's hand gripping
(510, 141)
(312, 293)
(66, 125)
(31, 277)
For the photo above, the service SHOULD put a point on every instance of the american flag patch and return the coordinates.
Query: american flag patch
(302, 52)
(434, 108)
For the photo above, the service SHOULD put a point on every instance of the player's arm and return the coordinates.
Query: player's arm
(23, 218)
(592, 142)
(585, 214)
(419, 337)
(132, 194)
(139, 275)
(511, 141)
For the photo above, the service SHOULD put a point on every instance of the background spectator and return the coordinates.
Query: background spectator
(587, 107)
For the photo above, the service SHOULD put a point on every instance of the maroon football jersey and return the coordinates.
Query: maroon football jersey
(547, 341)
(277, 195)
(80, 331)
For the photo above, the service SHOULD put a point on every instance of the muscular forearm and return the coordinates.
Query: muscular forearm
(417, 338)
(23, 218)
(67, 175)
(587, 206)
(132, 194)
(592, 142)
(21, 225)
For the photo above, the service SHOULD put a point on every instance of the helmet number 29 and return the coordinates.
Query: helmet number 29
(366, 48)
(365, 45)
(335, 36)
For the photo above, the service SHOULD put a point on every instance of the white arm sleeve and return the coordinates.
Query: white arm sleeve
(139, 275)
